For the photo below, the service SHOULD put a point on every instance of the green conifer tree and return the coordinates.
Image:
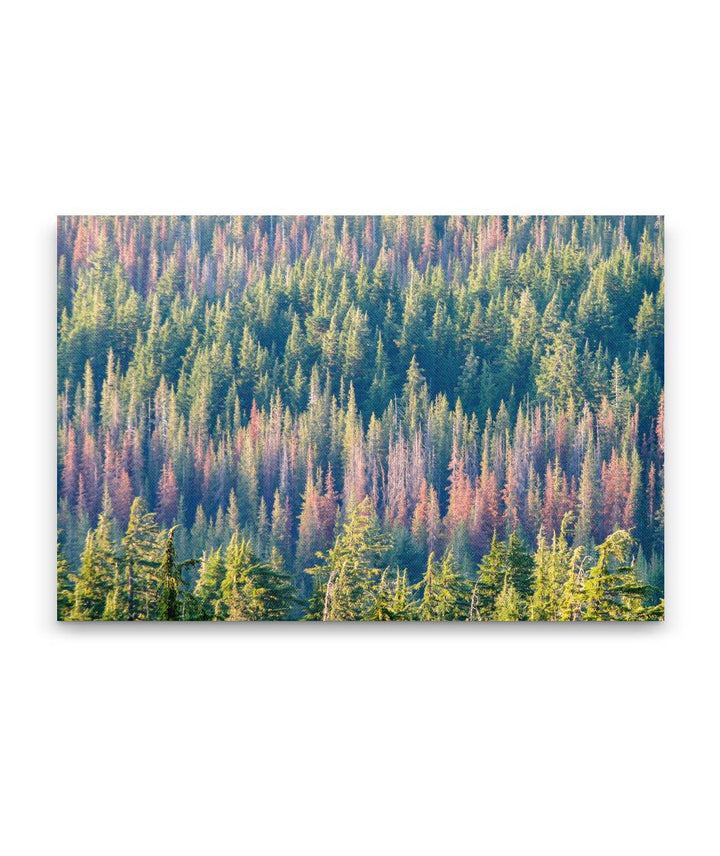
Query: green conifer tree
(352, 567)
(97, 573)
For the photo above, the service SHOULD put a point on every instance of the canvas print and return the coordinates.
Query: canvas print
(360, 418)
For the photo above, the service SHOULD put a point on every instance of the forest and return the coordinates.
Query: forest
(372, 418)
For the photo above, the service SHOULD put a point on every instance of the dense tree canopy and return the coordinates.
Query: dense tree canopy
(380, 418)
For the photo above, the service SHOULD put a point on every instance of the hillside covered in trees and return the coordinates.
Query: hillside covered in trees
(363, 418)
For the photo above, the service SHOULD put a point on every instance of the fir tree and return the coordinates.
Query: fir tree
(64, 586)
(351, 567)
(446, 594)
(207, 588)
(136, 594)
(97, 572)
(174, 600)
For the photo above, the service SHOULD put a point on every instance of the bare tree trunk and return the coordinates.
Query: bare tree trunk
(334, 574)
(472, 602)
(328, 592)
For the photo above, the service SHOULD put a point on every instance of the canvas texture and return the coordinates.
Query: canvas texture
(360, 418)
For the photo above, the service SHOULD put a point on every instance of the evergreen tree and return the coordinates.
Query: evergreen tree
(351, 568)
(64, 586)
(381, 608)
(490, 580)
(207, 588)
(403, 605)
(136, 589)
(588, 500)
(507, 605)
(174, 600)
(253, 590)
(446, 593)
(97, 572)
(612, 592)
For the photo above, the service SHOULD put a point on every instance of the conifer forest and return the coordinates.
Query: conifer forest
(376, 418)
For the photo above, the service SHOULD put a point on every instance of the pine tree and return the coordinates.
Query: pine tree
(520, 566)
(588, 500)
(380, 387)
(280, 536)
(446, 593)
(65, 597)
(469, 388)
(351, 568)
(507, 605)
(414, 395)
(140, 554)
(490, 580)
(558, 379)
(97, 572)
(554, 568)
(168, 495)
(381, 607)
(309, 535)
(611, 591)
(253, 590)
(207, 588)
(174, 599)
(403, 605)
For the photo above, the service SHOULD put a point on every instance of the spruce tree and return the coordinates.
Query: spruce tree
(381, 607)
(173, 599)
(207, 588)
(140, 555)
(507, 604)
(403, 606)
(490, 580)
(446, 594)
(352, 567)
(65, 596)
(253, 590)
(97, 571)
(611, 590)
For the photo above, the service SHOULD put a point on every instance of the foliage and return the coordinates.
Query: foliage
(241, 394)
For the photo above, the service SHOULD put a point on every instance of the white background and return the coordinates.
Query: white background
(358, 740)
